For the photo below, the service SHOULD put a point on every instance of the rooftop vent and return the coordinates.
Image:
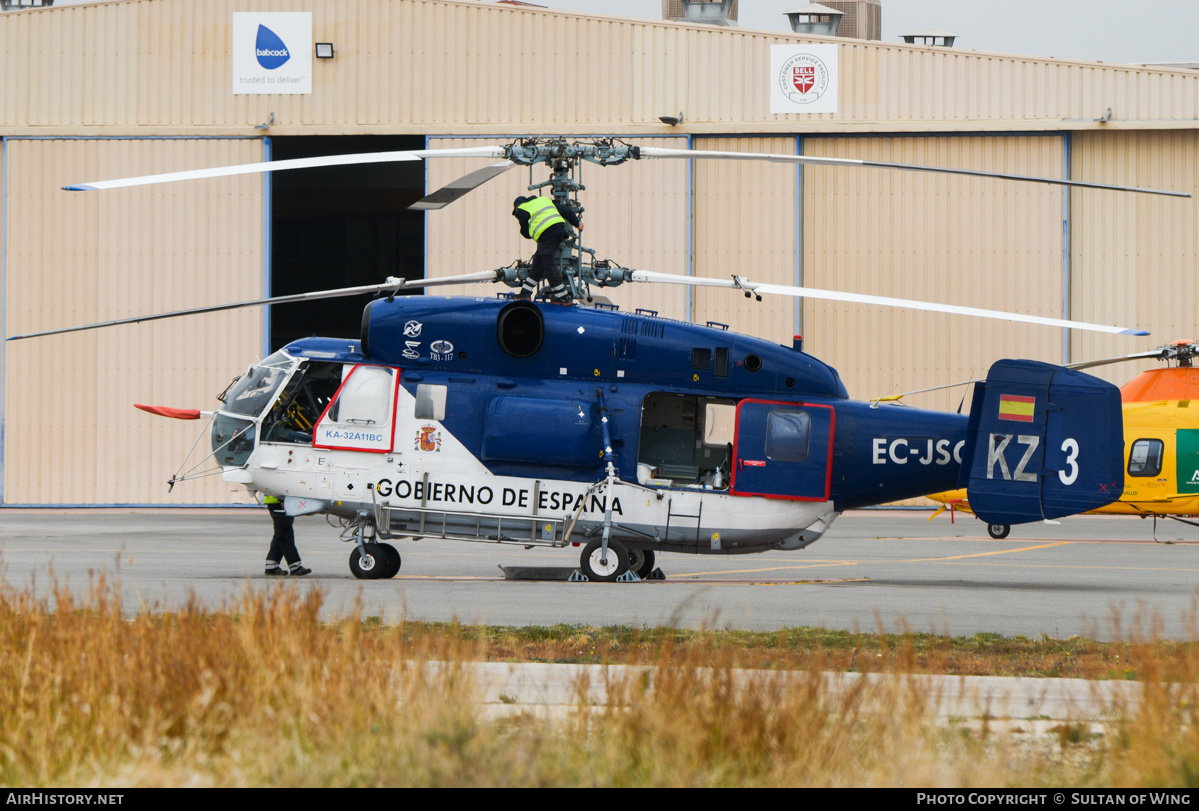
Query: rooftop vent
(709, 12)
(930, 36)
(815, 19)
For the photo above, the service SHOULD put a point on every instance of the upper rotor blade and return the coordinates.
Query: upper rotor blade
(656, 152)
(390, 285)
(462, 186)
(739, 283)
(294, 163)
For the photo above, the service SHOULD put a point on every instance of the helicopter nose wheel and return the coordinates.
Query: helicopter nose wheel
(607, 570)
(998, 531)
(381, 562)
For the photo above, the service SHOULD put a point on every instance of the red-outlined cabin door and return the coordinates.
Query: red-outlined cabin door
(783, 450)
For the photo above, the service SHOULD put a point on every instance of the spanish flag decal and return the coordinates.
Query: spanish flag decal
(1015, 407)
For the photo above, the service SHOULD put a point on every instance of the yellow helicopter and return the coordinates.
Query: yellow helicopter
(1161, 441)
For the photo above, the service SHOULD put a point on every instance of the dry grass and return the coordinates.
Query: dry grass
(983, 654)
(263, 693)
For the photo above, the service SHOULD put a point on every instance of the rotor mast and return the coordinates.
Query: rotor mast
(563, 159)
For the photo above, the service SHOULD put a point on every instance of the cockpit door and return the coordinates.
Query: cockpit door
(361, 416)
(783, 450)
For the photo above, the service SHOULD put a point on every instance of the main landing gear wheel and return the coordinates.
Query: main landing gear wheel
(641, 561)
(998, 531)
(381, 561)
(605, 571)
(393, 561)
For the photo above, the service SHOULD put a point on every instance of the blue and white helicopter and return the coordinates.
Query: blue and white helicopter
(498, 420)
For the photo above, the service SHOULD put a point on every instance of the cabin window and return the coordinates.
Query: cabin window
(365, 398)
(787, 435)
(720, 366)
(430, 402)
(720, 422)
(1145, 458)
(701, 358)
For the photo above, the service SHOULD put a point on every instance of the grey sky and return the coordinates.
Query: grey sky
(1106, 30)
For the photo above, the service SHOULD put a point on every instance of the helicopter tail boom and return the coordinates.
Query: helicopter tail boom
(1043, 442)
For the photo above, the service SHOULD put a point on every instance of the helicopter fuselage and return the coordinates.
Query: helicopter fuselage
(493, 420)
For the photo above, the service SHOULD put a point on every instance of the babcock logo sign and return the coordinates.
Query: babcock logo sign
(272, 52)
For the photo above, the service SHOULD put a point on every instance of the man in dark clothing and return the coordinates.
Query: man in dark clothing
(283, 542)
(545, 222)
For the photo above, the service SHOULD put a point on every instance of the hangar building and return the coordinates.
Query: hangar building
(131, 87)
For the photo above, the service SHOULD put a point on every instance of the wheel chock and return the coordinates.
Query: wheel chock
(656, 574)
(629, 577)
(578, 577)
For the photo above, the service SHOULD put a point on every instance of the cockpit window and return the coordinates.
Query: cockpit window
(279, 358)
(1145, 458)
(304, 399)
(251, 394)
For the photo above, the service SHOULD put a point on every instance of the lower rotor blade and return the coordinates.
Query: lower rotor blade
(460, 187)
(295, 163)
(392, 284)
(699, 154)
(738, 283)
(1159, 353)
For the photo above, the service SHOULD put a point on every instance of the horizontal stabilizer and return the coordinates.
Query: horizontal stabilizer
(1043, 442)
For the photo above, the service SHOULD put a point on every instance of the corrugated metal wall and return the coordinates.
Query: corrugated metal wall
(438, 66)
(1134, 258)
(72, 435)
(966, 241)
(745, 225)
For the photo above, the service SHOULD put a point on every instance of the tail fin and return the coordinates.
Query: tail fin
(1043, 442)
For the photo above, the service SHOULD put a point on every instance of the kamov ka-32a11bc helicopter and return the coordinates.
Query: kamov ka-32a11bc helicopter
(525, 422)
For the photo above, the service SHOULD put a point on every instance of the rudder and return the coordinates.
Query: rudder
(1043, 442)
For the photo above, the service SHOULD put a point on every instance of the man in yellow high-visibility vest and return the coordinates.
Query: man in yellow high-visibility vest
(548, 224)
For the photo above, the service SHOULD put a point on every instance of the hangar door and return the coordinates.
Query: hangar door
(341, 226)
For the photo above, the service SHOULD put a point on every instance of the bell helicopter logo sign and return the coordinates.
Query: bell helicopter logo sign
(272, 53)
(803, 78)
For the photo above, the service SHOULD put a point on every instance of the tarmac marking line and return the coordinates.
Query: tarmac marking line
(988, 554)
(770, 569)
